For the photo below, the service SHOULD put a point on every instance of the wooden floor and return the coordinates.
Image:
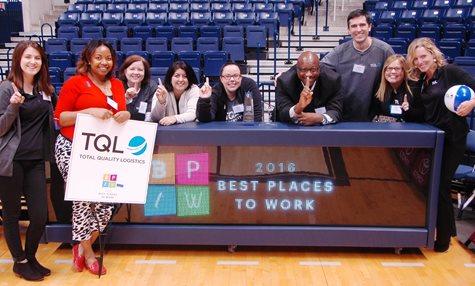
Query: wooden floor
(198, 265)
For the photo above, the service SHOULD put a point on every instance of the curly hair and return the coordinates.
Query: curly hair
(428, 44)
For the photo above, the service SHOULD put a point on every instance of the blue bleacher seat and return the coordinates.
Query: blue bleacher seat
(143, 54)
(77, 44)
(158, 7)
(120, 58)
(383, 32)
(242, 7)
(137, 7)
(467, 63)
(210, 31)
(244, 18)
(213, 61)
(134, 19)
(112, 19)
(200, 7)
(233, 31)
(68, 72)
(117, 32)
(388, 17)
(188, 32)
(235, 48)
(270, 20)
(463, 3)
(68, 19)
(193, 58)
(113, 42)
(442, 4)
(470, 48)
(459, 31)
(178, 19)
(116, 8)
(421, 4)
(455, 16)
(143, 32)
(60, 59)
(156, 19)
(179, 7)
(179, 44)
(168, 32)
(409, 16)
(381, 5)
(95, 8)
(431, 31)
(156, 44)
(68, 32)
(256, 37)
(158, 72)
(162, 58)
(285, 12)
(204, 44)
(263, 7)
(85, 2)
(56, 45)
(451, 48)
(399, 45)
(430, 16)
(94, 32)
(90, 19)
(407, 31)
(221, 7)
(200, 18)
(223, 18)
(131, 44)
(400, 5)
(55, 75)
(76, 8)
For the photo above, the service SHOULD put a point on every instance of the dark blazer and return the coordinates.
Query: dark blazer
(326, 93)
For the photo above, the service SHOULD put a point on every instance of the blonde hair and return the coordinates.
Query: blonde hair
(428, 44)
(384, 89)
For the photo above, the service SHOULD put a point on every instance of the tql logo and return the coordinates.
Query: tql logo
(104, 143)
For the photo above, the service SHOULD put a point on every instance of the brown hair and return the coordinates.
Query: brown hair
(384, 91)
(83, 66)
(130, 60)
(41, 81)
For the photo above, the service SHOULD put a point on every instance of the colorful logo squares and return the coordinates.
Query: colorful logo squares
(109, 180)
(192, 169)
(192, 200)
(163, 169)
(161, 200)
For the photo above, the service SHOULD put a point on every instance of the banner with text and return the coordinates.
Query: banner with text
(110, 162)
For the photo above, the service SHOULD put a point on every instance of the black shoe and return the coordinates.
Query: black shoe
(441, 247)
(27, 272)
(38, 267)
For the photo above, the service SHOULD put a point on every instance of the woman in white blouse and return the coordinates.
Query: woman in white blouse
(176, 97)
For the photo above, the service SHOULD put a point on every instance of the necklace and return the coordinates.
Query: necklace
(105, 86)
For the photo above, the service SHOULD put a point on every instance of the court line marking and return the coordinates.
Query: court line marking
(320, 263)
(402, 264)
(155, 262)
(469, 265)
(6, 261)
(63, 261)
(224, 262)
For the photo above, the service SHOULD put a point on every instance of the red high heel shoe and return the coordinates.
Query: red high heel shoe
(94, 268)
(78, 260)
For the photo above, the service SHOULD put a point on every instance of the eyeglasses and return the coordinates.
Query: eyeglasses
(231, 76)
(396, 69)
(311, 70)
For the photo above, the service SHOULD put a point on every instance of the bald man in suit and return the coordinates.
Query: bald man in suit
(309, 94)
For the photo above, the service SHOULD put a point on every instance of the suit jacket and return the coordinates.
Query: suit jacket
(326, 93)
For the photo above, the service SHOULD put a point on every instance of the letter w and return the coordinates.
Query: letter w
(192, 201)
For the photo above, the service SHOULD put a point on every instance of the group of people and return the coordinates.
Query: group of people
(360, 80)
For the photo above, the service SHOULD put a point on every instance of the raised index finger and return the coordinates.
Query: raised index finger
(15, 89)
(137, 85)
(405, 98)
(307, 82)
(159, 81)
(207, 81)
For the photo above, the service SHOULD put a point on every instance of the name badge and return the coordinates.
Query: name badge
(238, 108)
(112, 103)
(320, 110)
(142, 107)
(395, 109)
(358, 68)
